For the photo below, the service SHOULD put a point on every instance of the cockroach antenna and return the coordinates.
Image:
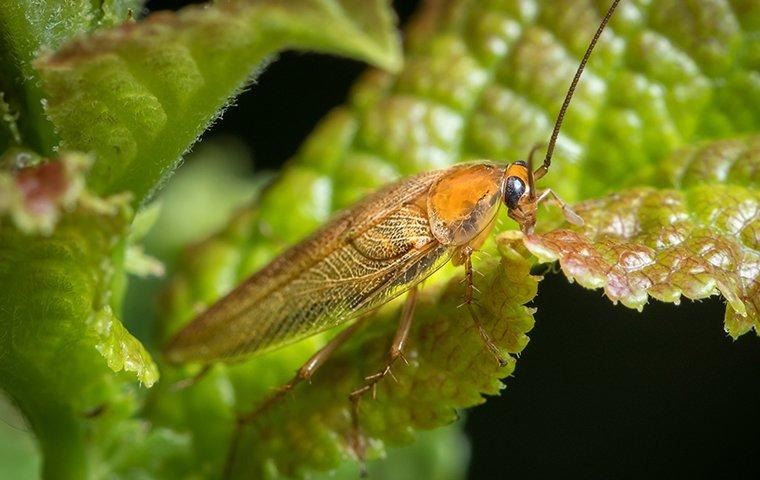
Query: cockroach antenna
(541, 171)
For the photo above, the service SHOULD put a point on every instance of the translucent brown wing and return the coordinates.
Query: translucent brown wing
(364, 257)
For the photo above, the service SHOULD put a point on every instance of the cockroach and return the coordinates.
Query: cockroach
(378, 249)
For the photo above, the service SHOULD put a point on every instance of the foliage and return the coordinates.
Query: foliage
(660, 148)
(671, 242)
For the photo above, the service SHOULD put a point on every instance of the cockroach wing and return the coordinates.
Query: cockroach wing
(364, 257)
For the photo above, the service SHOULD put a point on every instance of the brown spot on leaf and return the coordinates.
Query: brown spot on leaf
(35, 197)
(43, 187)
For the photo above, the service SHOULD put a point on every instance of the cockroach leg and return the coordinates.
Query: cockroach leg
(371, 381)
(190, 381)
(569, 214)
(305, 373)
(469, 301)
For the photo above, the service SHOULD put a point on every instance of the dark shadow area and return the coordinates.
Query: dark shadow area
(606, 392)
(287, 101)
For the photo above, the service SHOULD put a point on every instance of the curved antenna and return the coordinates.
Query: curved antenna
(531, 177)
(541, 171)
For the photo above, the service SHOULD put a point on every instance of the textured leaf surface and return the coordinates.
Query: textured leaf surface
(28, 26)
(140, 94)
(698, 241)
(481, 80)
(59, 334)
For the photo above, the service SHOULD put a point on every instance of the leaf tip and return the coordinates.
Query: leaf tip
(121, 350)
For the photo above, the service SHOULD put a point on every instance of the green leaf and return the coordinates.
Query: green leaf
(733, 161)
(26, 28)
(60, 336)
(699, 240)
(121, 350)
(139, 95)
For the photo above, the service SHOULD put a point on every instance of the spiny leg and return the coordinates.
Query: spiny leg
(468, 301)
(306, 371)
(569, 214)
(370, 382)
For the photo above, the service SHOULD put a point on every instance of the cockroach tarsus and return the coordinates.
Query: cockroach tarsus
(382, 247)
